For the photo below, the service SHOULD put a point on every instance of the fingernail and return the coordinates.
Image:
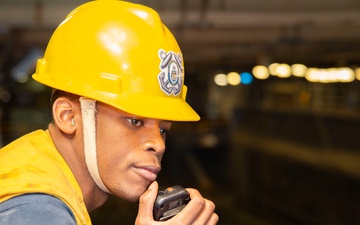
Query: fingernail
(152, 185)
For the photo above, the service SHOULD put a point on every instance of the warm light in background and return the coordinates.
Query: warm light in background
(260, 72)
(273, 68)
(330, 75)
(283, 70)
(298, 70)
(357, 73)
(233, 78)
(346, 74)
(220, 79)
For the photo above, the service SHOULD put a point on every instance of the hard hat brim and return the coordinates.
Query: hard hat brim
(171, 109)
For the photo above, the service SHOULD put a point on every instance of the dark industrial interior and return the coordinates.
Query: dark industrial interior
(274, 151)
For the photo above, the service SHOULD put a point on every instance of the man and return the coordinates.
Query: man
(118, 83)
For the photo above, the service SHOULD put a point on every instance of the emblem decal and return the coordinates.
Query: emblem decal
(171, 75)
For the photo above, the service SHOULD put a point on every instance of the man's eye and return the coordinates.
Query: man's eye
(135, 122)
(163, 132)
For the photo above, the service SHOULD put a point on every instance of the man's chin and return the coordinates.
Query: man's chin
(134, 195)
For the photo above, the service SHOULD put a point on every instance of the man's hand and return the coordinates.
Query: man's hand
(199, 211)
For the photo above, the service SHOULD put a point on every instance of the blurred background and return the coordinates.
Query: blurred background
(276, 83)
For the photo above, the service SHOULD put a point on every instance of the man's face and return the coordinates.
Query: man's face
(129, 150)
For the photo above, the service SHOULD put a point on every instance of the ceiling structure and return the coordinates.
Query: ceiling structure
(221, 34)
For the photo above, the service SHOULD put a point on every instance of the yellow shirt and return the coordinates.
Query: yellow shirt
(32, 164)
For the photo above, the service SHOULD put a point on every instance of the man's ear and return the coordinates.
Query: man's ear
(65, 113)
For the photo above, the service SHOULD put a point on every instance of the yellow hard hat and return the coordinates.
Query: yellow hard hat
(121, 54)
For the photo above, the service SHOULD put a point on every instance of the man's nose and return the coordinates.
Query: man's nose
(154, 141)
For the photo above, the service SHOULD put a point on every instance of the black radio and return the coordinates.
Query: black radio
(170, 202)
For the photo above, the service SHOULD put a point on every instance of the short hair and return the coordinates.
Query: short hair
(59, 93)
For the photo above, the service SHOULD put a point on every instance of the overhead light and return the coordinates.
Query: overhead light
(330, 75)
(298, 70)
(260, 72)
(283, 70)
(357, 73)
(221, 79)
(233, 78)
(273, 69)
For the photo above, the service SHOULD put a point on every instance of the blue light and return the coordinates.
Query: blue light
(246, 78)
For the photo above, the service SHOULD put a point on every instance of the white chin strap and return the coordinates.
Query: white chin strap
(88, 110)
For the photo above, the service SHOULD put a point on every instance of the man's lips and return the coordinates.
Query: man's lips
(149, 172)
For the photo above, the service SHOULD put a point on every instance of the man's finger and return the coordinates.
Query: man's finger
(193, 209)
(146, 204)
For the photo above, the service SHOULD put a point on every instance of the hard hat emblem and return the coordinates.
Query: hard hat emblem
(171, 75)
